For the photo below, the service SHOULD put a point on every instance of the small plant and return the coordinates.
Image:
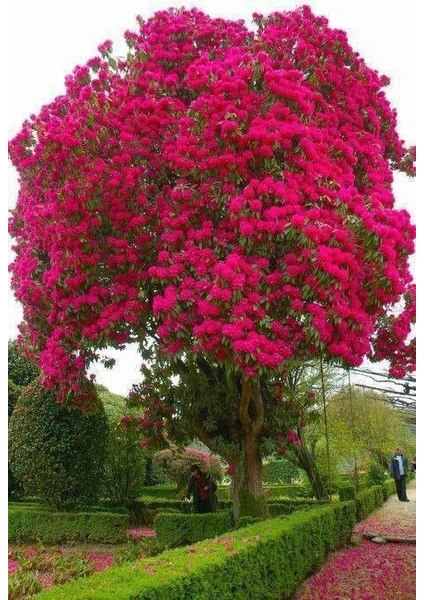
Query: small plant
(24, 585)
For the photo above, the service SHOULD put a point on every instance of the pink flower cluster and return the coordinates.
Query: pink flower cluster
(227, 190)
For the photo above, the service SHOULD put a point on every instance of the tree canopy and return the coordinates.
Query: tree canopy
(226, 191)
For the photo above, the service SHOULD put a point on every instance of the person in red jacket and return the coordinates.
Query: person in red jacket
(203, 489)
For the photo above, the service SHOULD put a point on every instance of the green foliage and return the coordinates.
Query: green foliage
(155, 475)
(139, 548)
(368, 427)
(177, 464)
(389, 488)
(279, 472)
(168, 492)
(56, 452)
(347, 492)
(247, 520)
(266, 560)
(125, 465)
(31, 524)
(368, 500)
(21, 371)
(376, 474)
(288, 506)
(179, 530)
(14, 487)
(23, 584)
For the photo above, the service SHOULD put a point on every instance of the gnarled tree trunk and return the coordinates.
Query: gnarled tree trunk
(247, 489)
(307, 462)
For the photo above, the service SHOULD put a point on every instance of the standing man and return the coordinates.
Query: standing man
(203, 489)
(398, 466)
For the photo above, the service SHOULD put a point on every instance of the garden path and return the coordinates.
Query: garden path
(367, 570)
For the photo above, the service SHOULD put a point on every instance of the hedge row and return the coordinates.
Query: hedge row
(30, 524)
(163, 493)
(288, 506)
(144, 512)
(263, 561)
(368, 500)
(178, 530)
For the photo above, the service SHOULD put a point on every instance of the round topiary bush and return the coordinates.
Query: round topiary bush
(57, 453)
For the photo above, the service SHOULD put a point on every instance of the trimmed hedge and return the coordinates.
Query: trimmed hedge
(31, 524)
(165, 492)
(178, 530)
(368, 500)
(265, 560)
(347, 492)
(288, 506)
(389, 488)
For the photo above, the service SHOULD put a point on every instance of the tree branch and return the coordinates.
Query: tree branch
(202, 434)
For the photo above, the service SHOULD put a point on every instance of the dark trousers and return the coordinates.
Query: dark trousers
(204, 506)
(401, 487)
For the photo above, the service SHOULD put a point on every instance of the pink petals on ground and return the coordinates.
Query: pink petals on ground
(141, 532)
(366, 572)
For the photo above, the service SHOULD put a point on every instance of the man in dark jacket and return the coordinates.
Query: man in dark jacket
(398, 467)
(203, 489)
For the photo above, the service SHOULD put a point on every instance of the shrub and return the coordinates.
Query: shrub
(155, 475)
(177, 464)
(347, 492)
(15, 490)
(266, 560)
(288, 506)
(245, 521)
(31, 524)
(376, 475)
(389, 488)
(271, 491)
(178, 529)
(158, 492)
(279, 472)
(56, 452)
(367, 501)
(125, 464)
(21, 371)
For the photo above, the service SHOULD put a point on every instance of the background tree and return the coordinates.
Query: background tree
(225, 192)
(21, 372)
(56, 452)
(125, 463)
(374, 430)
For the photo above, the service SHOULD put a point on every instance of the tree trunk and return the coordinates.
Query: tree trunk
(247, 489)
(307, 462)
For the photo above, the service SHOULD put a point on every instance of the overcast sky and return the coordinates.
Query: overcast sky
(49, 38)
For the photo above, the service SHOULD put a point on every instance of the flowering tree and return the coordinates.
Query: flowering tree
(225, 192)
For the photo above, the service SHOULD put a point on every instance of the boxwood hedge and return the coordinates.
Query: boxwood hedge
(30, 523)
(265, 560)
(178, 529)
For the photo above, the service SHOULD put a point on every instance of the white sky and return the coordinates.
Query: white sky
(48, 38)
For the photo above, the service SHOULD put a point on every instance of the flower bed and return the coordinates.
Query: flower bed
(32, 568)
